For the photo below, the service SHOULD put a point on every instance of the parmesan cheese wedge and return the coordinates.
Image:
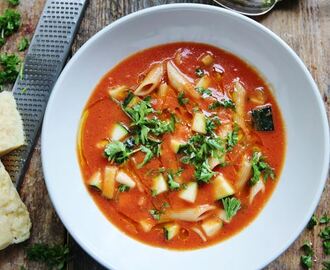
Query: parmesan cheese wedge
(15, 221)
(11, 125)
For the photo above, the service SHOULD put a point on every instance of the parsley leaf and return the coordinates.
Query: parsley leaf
(10, 21)
(259, 168)
(313, 222)
(325, 233)
(232, 138)
(307, 259)
(181, 99)
(117, 152)
(325, 219)
(172, 184)
(14, 2)
(231, 206)
(211, 123)
(199, 72)
(226, 103)
(55, 256)
(23, 44)
(204, 173)
(326, 247)
(149, 155)
(203, 91)
(123, 188)
(10, 68)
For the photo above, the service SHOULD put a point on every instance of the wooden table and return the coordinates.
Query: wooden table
(303, 24)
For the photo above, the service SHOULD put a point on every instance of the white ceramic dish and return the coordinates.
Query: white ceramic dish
(307, 159)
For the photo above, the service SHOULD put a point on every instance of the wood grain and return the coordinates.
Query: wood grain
(303, 24)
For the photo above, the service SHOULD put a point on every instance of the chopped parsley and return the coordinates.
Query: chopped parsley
(306, 260)
(225, 103)
(55, 257)
(10, 21)
(199, 72)
(23, 44)
(203, 91)
(196, 152)
(231, 206)
(312, 223)
(123, 188)
(232, 138)
(211, 123)
(14, 2)
(172, 184)
(117, 152)
(325, 219)
(326, 247)
(260, 168)
(149, 155)
(10, 66)
(182, 99)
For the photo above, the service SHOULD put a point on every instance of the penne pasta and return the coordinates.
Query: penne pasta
(239, 97)
(179, 81)
(190, 214)
(151, 81)
(204, 82)
(244, 172)
(255, 189)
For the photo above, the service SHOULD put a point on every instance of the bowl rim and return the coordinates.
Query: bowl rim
(194, 6)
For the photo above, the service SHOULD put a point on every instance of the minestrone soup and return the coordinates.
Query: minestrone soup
(181, 145)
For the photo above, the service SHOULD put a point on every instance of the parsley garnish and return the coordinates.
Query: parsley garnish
(313, 222)
(149, 155)
(212, 122)
(117, 152)
(9, 23)
(172, 184)
(232, 138)
(10, 66)
(14, 2)
(260, 168)
(181, 99)
(199, 72)
(325, 219)
(23, 44)
(326, 264)
(226, 103)
(231, 206)
(204, 173)
(123, 188)
(326, 247)
(307, 259)
(55, 256)
(203, 91)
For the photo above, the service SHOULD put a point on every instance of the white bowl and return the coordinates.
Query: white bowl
(303, 177)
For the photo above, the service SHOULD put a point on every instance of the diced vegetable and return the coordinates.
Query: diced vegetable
(211, 226)
(176, 144)
(223, 216)
(118, 132)
(255, 189)
(146, 224)
(189, 194)
(171, 230)
(159, 185)
(263, 118)
(199, 123)
(96, 180)
(225, 130)
(207, 60)
(222, 188)
(125, 179)
(118, 92)
(204, 82)
(108, 186)
(244, 172)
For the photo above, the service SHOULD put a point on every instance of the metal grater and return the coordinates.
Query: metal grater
(44, 61)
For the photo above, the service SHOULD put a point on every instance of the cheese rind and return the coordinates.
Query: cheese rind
(15, 221)
(11, 124)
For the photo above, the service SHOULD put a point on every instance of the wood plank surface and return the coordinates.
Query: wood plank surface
(303, 24)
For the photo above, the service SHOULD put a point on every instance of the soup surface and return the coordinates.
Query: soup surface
(181, 145)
